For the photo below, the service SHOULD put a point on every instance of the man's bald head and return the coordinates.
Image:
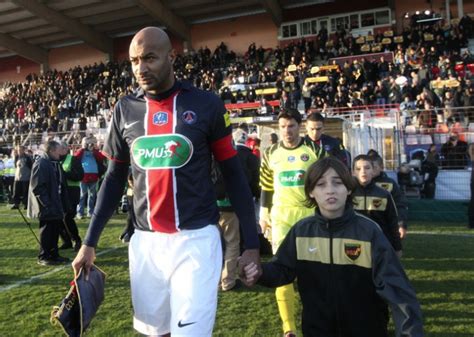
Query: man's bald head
(152, 35)
(152, 60)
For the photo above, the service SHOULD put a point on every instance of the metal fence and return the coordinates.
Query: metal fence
(383, 128)
(403, 141)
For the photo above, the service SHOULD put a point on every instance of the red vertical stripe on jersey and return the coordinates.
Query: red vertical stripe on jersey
(160, 181)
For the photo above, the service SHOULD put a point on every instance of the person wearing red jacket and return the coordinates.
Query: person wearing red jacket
(254, 144)
(92, 161)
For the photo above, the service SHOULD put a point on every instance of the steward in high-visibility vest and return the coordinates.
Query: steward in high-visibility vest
(73, 169)
(10, 168)
(74, 174)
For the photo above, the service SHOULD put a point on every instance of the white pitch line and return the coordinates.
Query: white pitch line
(464, 235)
(55, 270)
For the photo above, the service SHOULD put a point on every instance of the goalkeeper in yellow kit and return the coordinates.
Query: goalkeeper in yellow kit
(282, 175)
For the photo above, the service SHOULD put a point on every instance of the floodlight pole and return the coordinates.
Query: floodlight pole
(448, 12)
(460, 9)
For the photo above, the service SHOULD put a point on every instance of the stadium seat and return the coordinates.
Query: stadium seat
(470, 67)
(411, 139)
(379, 113)
(470, 137)
(459, 68)
(426, 139)
(440, 138)
(435, 71)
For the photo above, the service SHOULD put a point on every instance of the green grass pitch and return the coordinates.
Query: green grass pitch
(438, 257)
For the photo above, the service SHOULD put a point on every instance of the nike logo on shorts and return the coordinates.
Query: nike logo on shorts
(182, 325)
(129, 125)
(312, 249)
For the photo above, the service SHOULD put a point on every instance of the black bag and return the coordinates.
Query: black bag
(81, 303)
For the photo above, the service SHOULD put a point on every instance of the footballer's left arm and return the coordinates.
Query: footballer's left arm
(241, 199)
(236, 183)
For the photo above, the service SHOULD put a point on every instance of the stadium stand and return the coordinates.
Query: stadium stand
(422, 66)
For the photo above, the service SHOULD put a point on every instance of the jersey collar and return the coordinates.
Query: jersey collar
(178, 85)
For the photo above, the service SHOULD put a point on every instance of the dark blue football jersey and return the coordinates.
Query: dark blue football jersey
(169, 142)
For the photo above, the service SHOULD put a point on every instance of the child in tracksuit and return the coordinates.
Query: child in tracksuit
(381, 179)
(346, 269)
(374, 201)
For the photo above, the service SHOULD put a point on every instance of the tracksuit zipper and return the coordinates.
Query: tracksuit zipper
(365, 199)
(333, 281)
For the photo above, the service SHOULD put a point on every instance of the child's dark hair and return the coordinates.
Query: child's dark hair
(363, 157)
(317, 170)
(372, 152)
(376, 159)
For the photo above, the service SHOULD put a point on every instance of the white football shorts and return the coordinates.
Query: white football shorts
(174, 281)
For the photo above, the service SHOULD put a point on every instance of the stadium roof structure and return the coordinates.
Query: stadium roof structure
(30, 28)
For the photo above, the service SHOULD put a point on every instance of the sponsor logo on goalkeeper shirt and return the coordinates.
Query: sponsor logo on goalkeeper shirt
(291, 178)
(162, 151)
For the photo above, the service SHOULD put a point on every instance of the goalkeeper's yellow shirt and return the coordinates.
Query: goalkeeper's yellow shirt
(283, 171)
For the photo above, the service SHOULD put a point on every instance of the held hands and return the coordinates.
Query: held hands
(250, 274)
(249, 267)
(84, 258)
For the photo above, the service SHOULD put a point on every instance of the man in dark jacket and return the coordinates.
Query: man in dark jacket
(330, 145)
(23, 163)
(228, 219)
(454, 152)
(45, 203)
(74, 173)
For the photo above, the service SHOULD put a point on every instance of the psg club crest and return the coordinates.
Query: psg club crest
(304, 157)
(189, 117)
(160, 118)
(352, 250)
